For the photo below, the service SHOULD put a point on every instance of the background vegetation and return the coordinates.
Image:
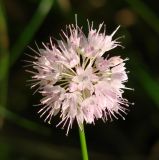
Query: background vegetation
(23, 135)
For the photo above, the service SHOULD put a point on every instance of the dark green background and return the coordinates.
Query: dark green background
(23, 135)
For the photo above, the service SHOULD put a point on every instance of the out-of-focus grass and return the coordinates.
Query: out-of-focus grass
(43, 150)
(36, 21)
(147, 81)
(39, 16)
(144, 76)
(4, 60)
(23, 122)
(30, 30)
(145, 13)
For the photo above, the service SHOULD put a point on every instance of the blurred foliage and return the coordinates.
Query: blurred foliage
(23, 135)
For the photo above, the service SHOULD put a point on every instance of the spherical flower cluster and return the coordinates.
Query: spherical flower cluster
(75, 79)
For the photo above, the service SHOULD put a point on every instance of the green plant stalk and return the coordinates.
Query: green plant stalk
(83, 143)
(4, 61)
(28, 33)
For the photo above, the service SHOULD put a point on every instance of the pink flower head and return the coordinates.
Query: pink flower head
(77, 82)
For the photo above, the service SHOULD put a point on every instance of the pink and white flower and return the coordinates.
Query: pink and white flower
(77, 82)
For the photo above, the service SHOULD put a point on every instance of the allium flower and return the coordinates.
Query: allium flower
(75, 79)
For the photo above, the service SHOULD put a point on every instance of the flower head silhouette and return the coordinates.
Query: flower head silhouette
(75, 79)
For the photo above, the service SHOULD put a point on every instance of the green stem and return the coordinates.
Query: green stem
(83, 143)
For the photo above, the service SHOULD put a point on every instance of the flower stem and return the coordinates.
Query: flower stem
(83, 143)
